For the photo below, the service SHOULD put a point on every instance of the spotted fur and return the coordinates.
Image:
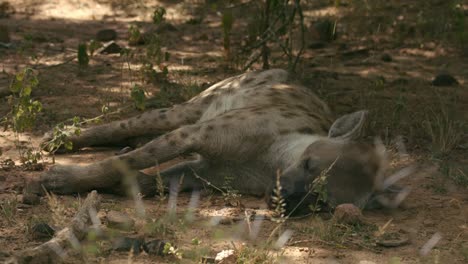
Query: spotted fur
(246, 128)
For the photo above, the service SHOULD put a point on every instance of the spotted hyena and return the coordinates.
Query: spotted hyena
(246, 128)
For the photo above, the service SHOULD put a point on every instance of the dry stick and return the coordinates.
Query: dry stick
(52, 250)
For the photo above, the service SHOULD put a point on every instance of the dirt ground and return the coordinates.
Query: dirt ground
(350, 73)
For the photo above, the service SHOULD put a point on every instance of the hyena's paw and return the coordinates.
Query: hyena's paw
(61, 179)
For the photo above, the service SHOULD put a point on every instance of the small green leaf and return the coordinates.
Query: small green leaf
(138, 96)
(68, 145)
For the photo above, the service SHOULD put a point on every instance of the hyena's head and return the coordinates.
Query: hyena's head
(351, 171)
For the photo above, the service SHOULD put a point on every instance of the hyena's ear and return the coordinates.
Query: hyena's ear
(348, 127)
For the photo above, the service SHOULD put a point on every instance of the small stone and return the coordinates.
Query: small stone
(392, 240)
(155, 247)
(347, 214)
(225, 256)
(120, 220)
(128, 244)
(42, 231)
(110, 48)
(444, 79)
(106, 35)
(386, 57)
(30, 198)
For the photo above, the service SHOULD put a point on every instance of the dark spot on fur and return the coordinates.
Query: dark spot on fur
(209, 127)
(284, 131)
(295, 95)
(183, 135)
(205, 137)
(130, 122)
(139, 116)
(305, 130)
(180, 115)
(144, 122)
(248, 80)
(167, 123)
(301, 107)
(131, 161)
(241, 117)
(228, 117)
(289, 114)
(262, 82)
(225, 125)
(153, 150)
(172, 143)
(123, 125)
(198, 113)
(162, 116)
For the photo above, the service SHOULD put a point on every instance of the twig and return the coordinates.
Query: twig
(56, 248)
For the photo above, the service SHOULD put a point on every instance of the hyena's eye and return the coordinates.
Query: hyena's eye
(310, 165)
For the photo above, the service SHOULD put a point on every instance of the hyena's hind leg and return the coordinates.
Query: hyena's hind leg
(109, 173)
(149, 123)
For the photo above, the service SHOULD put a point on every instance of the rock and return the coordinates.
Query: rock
(30, 198)
(392, 240)
(128, 244)
(347, 214)
(226, 256)
(386, 57)
(106, 35)
(119, 220)
(444, 79)
(110, 48)
(4, 34)
(155, 247)
(42, 231)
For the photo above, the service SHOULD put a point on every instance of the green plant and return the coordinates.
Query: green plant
(158, 15)
(134, 35)
(93, 46)
(60, 136)
(278, 201)
(138, 96)
(169, 249)
(160, 185)
(253, 255)
(8, 209)
(230, 195)
(444, 132)
(83, 58)
(24, 109)
(278, 24)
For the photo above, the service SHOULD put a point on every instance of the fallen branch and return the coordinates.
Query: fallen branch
(56, 249)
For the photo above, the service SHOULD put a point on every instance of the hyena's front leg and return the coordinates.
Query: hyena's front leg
(109, 172)
(148, 123)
